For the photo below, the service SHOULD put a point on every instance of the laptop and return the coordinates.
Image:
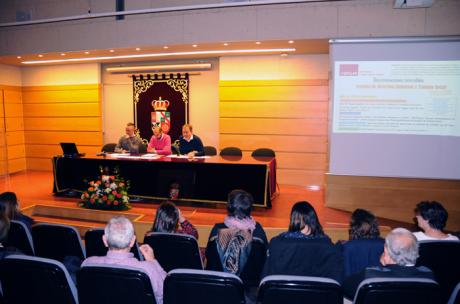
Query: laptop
(70, 150)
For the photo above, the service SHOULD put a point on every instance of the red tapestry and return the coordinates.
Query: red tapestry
(160, 100)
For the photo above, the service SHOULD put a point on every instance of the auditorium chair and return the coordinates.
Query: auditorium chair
(443, 258)
(20, 237)
(28, 279)
(98, 283)
(455, 296)
(398, 291)
(280, 289)
(109, 147)
(95, 246)
(263, 152)
(251, 272)
(56, 241)
(209, 151)
(175, 250)
(202, 287)
(231, 151)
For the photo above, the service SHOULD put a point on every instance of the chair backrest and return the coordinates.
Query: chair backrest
(174, 250)
(95, 246)
(455, 296)
(443, 258)
(109, 147)
(114, 284)
(202, 287)
(252, 270)
(398, 291)
(55, 241)
(28, 279)
(20, 237)
(142, 148)
(210, 150)
(231, 151)
(361, 253)
(277, 289)
(263, 152)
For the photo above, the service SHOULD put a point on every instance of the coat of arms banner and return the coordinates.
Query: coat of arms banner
(160, 100)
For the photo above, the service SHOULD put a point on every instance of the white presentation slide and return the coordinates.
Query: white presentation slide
(397, 97)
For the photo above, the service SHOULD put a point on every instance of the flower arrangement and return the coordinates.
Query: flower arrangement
(109, 192)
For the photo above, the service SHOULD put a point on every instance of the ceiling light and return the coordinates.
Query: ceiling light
(111, 51)
(195, 45)
(258, 42)
(225, 44)
(138, 49)
(86, 52)
(40, 55)
(283, 55)
(62, 54)
(19, 57)
(166, 47)
(162, 67)
(173, 54)
(291, 41)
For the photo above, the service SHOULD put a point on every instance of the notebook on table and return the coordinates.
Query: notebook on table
(70, 150)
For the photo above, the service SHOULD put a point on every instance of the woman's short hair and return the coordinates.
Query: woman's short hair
(303, 214)
(433, 212)
(167, 218)
(239, 204)
(363, 225)
(9, 205)
(119, 232)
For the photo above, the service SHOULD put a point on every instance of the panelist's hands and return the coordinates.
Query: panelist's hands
(147, 252)
(151, 150)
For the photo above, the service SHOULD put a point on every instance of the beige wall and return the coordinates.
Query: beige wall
(204, 103)
(54, 75)
(10, 75)
(332, 19)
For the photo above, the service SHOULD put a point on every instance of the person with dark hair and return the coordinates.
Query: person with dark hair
(9, 207)
(4, 229)
(365, 246)
(234, 236)
(431, 218)
(189, 143)
(305, 249)
(168, 218)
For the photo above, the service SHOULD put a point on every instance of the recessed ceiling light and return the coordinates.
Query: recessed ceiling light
(19, 57)
(111, 51)
(62, 54)
(40, 55)
(225, 44)
(283, 55)
(258, 42)
(138, 49)
(195, 45)
(166, 47)
(86, 52)
(291, 41)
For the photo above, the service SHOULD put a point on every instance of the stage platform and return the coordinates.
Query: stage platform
(34, 190)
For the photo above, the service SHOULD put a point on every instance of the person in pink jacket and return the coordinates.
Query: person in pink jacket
(160, 143)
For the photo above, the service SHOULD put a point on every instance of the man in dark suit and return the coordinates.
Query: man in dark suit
(398, 261)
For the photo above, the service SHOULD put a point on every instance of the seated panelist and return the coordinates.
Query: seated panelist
(160, 143)
(129, 142)
(190, 144)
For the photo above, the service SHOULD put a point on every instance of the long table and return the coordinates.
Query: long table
(205, 180)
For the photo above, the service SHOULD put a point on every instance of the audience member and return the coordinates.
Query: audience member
(160, 143)
(9, 206)
(233, 237)
(169, 217)
(129, 142)
(303, 250)
(4, 228)
(119, 238)
(431, 218)
(365, 246)
(398, 259)
(189, 143)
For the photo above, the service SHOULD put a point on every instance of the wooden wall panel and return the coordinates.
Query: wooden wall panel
(14, 138)
(14, 124)
(288, 116)
(54, 114)
(13, 95)
(14, 110)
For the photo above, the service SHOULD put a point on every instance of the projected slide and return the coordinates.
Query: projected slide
(397, 97)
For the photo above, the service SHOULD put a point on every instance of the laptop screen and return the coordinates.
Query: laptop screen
(69, 149)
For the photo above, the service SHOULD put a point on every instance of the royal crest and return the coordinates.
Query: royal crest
(161, 118)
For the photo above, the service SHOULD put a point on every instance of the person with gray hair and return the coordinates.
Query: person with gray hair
(398, 259)
(119, 237)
